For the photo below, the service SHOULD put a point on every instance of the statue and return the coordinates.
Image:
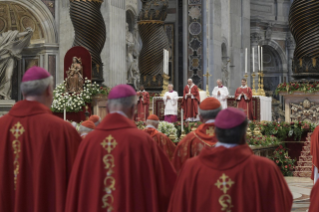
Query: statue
(11, 45)
(74, 81)
(133, 73)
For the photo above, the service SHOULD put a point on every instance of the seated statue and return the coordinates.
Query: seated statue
(74, 81)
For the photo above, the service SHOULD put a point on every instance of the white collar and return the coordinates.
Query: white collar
(83, 134)
(244, 86)
(228, 146)
(150, 126)
(119, 112)
(191, 85)
(210, 121)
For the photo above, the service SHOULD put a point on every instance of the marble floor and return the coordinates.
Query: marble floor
(300, 188)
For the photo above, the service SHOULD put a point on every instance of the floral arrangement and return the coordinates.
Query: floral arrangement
(262, 140)
(297, 86)
(283, 161)
(74, 102)
(140, 125)
(168, 129)
(188, 126)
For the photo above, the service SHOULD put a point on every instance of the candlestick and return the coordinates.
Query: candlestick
(253, 59)
(262, 59)
(246, 60)
(182, 119)
(254, 90)
(258, 58)
(64, 113)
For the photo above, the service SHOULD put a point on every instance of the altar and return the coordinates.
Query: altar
(261, 107)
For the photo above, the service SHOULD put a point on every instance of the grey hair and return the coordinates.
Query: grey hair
(190, 79)
(171, 85)
(219, 80)
(36, 87)
(83, 129)
(152, 122)
(122, 103)
(209, 114)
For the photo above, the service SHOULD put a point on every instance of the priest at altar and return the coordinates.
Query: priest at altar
(243, 96)
(229, 177)
(37, 150)
(161, 139)
(221, 93)
(171, 102)
(190, 101)
(142, 104)
(204, 135)
(118, 167)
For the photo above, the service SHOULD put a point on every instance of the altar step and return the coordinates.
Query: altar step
(304, 164)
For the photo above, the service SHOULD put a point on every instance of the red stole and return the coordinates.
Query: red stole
(246, 105)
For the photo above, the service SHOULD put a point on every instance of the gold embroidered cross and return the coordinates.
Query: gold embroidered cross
(108, 144)
(17, 130)
(210, 131)
(224, 183)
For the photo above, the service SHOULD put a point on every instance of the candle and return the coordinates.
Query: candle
(262, 59)
(258, 58)
(182, 124)
(64, 114)
(246, 61)
(253, 59)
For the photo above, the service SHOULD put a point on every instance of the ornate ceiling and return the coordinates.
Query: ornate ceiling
(14, 16)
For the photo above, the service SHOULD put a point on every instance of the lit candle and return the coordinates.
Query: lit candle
(246, 60)
(253, 59)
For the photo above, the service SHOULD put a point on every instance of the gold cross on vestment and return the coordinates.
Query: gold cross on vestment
(17, 130)
(108, 144)
(210, 131)
(224, 183)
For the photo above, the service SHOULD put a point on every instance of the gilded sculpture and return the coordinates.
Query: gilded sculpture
(304, 111)
(74, 81)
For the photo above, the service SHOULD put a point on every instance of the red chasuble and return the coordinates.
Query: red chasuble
(163, 141)
(314, 196)
(234, 179)
(193, 143)
(314, 150)
(245, 104)
(190, 105)
(120, 168)
(37, 151)
(142, 106)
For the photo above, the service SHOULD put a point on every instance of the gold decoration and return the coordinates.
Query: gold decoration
(246, 77)
(17, 130)
(261, 91)
(165, 84)
(151, 22)
(254, 85)
(98, 1)
(109, 144)
(224, 183)
(207, 75)
(210, 131)
(182, 135)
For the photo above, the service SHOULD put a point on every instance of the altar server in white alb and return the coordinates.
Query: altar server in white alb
(171, 102)
(221, 93)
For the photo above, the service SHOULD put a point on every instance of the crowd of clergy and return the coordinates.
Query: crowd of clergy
(112, 166)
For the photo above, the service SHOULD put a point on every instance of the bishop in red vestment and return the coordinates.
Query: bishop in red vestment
(314, 196)
(191, 100)
(142, 104)
(229, 177)
(243, 96)
(37, 150)
(204, 135)
(161, 139)
(314, 151)
(85, 128)
(118, 167)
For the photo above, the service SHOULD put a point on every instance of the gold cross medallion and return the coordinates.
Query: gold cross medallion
(109, 143)
(224, 183)
(17, 130)
(210, 131)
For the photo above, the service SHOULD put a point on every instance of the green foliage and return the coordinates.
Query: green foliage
(283, 161)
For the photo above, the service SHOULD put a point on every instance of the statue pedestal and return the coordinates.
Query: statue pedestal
(300, 106)
(5, 106)
(99, 105)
